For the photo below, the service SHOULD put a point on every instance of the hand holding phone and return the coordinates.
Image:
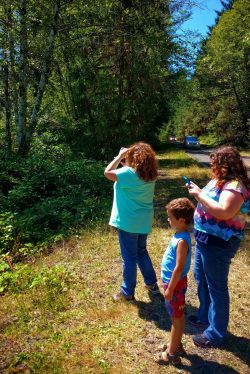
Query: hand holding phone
(187, 180)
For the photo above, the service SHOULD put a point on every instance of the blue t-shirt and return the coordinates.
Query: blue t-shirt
(132, 209)
(169, 258)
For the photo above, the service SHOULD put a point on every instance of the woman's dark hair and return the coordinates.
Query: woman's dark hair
(141, 157)
(182, 208)
(227, 165)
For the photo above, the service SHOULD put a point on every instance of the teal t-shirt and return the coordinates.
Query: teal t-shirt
(132, 209)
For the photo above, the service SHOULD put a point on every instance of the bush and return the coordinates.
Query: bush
(6, 232)
(48, 197)
(53, 282)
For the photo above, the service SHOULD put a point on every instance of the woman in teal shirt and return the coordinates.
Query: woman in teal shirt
(132, 214)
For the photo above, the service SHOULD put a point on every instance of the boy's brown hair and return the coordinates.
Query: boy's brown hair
(182, 208)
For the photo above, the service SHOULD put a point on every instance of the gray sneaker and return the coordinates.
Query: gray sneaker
(153, 289)
(196, 322)
(120, 297)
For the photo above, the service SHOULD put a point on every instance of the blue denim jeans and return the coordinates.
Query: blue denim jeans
(134, 252)
(211, 268)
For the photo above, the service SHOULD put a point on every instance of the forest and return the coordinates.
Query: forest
(78, 80)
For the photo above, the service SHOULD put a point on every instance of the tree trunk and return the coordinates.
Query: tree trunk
(45, 71)
(60, 75)
(7, 104)
(6, 80)
(12, 71)
(22, 103)
(43, 80)
(70, 89)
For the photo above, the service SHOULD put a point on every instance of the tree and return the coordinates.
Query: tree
(220, 102)
(20, 23)
(115, 74)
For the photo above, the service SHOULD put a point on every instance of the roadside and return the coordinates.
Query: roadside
(65, 321)
(202, 156)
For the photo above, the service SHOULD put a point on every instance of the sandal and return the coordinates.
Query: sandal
(180, 351)
(166, 359)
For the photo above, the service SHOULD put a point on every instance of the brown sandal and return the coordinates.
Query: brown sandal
(166, 359)
(180, 351)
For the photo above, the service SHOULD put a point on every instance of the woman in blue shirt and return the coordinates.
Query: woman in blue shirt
(132, 214)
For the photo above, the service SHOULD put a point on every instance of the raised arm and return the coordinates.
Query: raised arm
(110, 171)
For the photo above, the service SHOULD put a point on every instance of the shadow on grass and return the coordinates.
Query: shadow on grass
(155, 312)
(239, 346)
(202, 366)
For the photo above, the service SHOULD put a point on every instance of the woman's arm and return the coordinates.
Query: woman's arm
(110, 172)
(228, 205)
(181, 256)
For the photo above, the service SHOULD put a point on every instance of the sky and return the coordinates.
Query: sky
(202, 16)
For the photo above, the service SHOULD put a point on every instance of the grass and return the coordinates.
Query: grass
(245, 153)
(64, 320)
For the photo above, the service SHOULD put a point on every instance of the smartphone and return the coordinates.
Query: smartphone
(187, 180)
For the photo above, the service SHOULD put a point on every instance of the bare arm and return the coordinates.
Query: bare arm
(227, 206)
(110, 171)
(181, 256)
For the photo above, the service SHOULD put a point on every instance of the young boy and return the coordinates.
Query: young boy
(175, 266)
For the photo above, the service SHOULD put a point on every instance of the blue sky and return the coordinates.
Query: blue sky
(203, 16)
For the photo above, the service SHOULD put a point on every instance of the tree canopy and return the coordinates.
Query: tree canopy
(217, 98)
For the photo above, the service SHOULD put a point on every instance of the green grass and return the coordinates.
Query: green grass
(64, 321)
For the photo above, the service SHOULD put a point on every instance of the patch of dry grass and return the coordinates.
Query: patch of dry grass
(245, 153)
(88, 333)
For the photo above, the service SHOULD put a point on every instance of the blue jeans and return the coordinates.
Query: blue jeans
(134, 252)
(211, 268)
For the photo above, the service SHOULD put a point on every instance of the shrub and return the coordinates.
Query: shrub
(48, 197)
(6, 231)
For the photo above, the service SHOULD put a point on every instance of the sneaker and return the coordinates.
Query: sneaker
(201, 341)
(196, 322)
(119, 297)
(153, 289)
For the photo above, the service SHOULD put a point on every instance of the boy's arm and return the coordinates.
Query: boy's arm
(181, 256)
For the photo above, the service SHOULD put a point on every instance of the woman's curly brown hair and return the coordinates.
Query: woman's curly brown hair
(141, 157)
(227, 165)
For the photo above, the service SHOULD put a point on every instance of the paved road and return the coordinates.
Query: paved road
(202, 156)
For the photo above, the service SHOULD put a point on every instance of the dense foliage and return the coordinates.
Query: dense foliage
(216, 101)
(42, 198)
(95, 75)
(80, 79)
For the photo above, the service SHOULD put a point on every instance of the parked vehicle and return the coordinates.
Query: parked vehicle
(172, 138)
(191, 142)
